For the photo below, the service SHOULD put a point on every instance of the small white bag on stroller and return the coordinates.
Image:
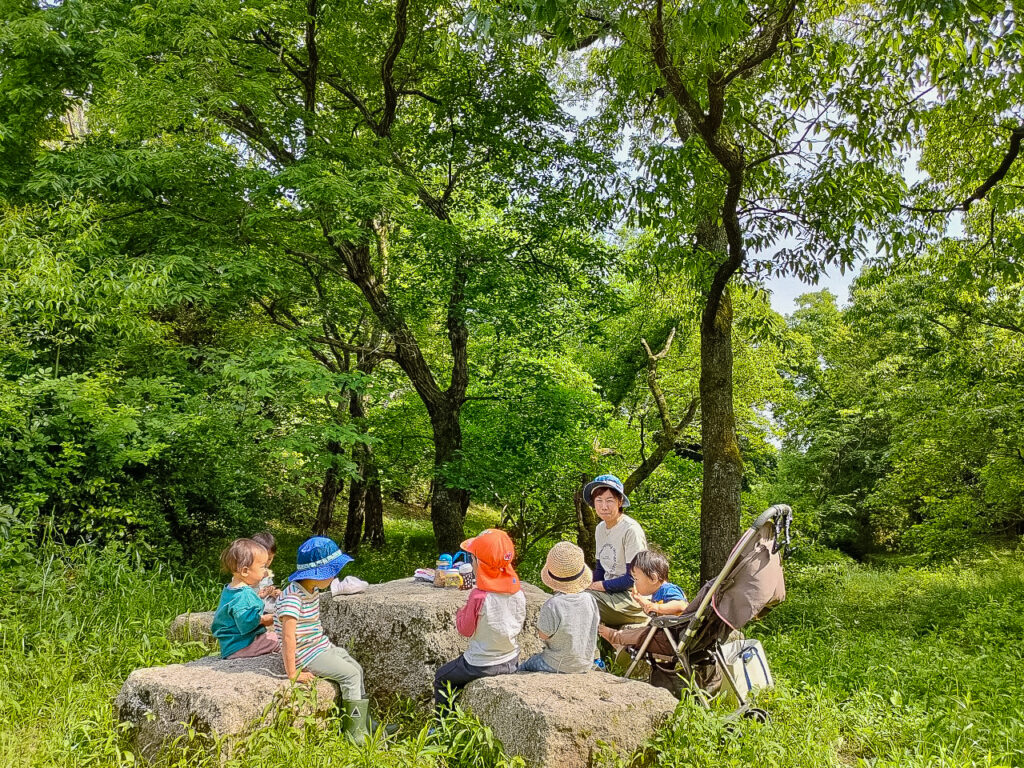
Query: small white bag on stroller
(747, 664)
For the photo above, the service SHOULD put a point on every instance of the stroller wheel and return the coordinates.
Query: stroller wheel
(756, 714)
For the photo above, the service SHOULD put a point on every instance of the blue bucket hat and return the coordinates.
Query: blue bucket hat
(604, 481)
(319, 558)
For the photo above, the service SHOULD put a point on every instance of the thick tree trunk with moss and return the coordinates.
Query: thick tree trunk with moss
(723, 467)
(448, 504)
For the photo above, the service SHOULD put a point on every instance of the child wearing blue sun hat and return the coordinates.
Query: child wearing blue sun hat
(305, 649)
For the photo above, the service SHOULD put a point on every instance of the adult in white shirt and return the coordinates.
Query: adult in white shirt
(619, 539)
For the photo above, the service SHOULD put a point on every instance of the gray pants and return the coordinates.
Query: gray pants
(336, 664)
(457, 673)
(619, 608)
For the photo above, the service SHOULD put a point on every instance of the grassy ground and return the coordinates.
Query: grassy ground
(876, 666)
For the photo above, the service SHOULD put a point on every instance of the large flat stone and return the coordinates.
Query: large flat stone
(399, 631)
(402, 631)
(213, 697)
(556, 721)
(190, 627)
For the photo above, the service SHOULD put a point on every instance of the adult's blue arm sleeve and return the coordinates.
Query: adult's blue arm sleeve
(620, 584)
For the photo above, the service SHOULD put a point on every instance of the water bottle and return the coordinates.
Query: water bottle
(443, 565)
(468, 580)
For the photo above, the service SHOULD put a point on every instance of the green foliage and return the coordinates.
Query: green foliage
(526, 448)
(906, 422)
(880, 666)
(126, 415)
(185, 188)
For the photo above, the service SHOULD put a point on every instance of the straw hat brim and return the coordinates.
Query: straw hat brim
(578, 584)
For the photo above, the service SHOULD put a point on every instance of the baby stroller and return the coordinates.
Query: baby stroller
(699, 651)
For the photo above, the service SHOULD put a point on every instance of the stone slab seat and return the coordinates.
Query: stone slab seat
(402, 631)
(215, 698)
(193, 627)
(556, 721)
(399, 631)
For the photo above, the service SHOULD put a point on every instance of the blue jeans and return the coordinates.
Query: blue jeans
(536, 663)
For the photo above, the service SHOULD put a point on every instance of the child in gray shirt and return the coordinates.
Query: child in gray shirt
(568, 620)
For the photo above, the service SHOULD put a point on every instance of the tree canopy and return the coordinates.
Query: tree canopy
(439, 253)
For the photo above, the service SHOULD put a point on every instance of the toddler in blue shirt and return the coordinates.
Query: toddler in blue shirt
(653, 591)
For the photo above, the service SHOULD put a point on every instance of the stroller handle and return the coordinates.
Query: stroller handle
(771, 514)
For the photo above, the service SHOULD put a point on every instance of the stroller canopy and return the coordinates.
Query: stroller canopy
(753, 586)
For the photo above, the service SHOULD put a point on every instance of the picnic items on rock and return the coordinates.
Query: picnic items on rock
(447, 571)
(468, 580)
(350, 585)
(451, 572)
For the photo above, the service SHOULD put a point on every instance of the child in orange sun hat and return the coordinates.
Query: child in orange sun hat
(492, 617)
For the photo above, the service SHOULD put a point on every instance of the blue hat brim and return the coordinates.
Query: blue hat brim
(325, 571)
(593, 485)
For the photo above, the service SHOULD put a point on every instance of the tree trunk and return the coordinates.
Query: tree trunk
(723, 467)
(329, 492)
(448, 504)
(356, 514)
(373, 503)
(357, 491)
(586, 524)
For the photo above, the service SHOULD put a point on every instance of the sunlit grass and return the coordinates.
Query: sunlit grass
(876, 666)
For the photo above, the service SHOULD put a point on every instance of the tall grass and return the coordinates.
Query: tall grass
(73, 623)
(875, 666)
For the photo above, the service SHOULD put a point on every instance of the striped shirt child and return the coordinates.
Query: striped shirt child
(304, 607)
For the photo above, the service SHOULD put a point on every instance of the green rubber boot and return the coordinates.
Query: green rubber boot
(356, 719)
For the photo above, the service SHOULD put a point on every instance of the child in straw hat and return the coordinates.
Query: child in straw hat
(492, 617)
(568, 620)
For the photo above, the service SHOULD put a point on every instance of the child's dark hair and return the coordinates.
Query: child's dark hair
(240, 554)
(653, 564)
(266, 540)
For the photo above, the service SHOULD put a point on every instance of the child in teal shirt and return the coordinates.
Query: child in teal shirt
(239, 622)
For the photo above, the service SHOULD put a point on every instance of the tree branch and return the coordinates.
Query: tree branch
(353, 99)
(652, 380)
(669, 71)
(250, 126)
(387, 70)
(309, 81)
(665, 442)
(1012, 151)
(765, 45)
(408, 355)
